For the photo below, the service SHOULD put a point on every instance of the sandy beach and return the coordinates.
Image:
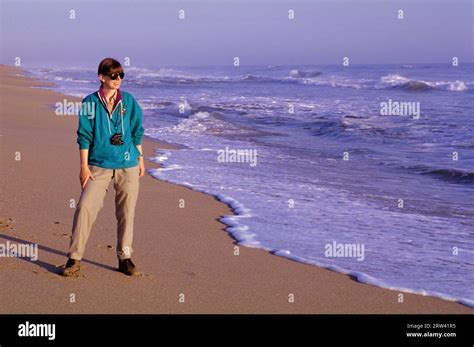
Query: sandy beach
(187, 258)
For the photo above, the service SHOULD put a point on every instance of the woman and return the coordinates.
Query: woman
(109, 137)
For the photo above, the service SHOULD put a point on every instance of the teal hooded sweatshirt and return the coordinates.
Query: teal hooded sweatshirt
(96, 128)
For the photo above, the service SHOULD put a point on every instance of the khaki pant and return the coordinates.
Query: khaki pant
(126, 185)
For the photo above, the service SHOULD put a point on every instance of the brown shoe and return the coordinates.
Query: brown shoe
(127, 267)
(72, 268)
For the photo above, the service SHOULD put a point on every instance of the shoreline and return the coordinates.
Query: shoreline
(264, 264)
(359, 277)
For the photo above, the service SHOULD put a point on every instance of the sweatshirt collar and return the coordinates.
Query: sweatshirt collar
(103, 99)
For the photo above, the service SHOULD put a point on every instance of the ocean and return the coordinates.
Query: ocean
(366, 170)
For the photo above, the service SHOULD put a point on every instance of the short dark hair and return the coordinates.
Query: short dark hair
(109, 66)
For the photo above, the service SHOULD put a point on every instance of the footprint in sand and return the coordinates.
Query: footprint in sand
(65, 235)
(6, 224)
(109, 247)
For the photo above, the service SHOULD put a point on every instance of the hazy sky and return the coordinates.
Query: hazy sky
(257, 31)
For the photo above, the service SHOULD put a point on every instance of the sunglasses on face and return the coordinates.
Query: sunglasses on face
(114, 76)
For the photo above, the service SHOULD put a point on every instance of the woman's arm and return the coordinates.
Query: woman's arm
(85, 132)
(85, 136)
(136, 124)
(141, 161)
(137, 133)
(85, 173)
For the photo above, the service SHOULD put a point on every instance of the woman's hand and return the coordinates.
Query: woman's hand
(141, 167)
(85, 175)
